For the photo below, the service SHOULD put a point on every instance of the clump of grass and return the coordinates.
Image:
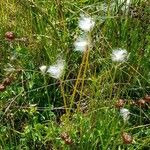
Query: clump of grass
(98, 98)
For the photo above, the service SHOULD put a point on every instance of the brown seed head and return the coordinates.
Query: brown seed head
(127, 139)
(7, 81)
(120, 103)
(68, 141)
(141, 102)
(9, 35)
(64, 135)
(66, 138)
(2, 88)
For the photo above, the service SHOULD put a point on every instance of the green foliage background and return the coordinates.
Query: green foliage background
(32, 112)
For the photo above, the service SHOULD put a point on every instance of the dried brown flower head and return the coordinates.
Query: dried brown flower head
(2, 88)
(120, 103)
(66, 138)
(7, 81)
(141, 102)
(127, 139)
(10, 35)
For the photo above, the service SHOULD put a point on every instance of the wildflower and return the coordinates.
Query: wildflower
(43, 69)
(125, 114)
(119, 55)
(81, 44)
(56, 70)
(86, 23)
(127, 139)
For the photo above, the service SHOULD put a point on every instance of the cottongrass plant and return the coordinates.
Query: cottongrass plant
(56, 71)
(47, 126)
(86, 24)
(82, 44)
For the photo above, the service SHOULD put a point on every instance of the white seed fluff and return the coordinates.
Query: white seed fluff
(81, 44)
(56, 71)
(125, 114)
(86, 23)
(119, 55)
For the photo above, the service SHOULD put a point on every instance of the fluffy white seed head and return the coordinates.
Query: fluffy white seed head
(56, 71)
(81, 44)
(119, 55)
(43, 68)
(125, 114)
(86, 23)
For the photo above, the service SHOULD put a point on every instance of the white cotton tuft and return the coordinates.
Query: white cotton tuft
(119, 55)
(86, 23)
(81, 44)
(125, 114)
(56, 71)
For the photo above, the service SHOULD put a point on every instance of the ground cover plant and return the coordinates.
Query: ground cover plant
(74, 74)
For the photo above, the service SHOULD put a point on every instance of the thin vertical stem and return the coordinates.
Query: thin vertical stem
(63, 95)
(77, 81)
(84, 74)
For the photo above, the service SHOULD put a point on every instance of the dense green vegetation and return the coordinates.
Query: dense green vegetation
(97, 103)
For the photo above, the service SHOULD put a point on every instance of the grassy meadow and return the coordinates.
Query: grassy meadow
(99, 101)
